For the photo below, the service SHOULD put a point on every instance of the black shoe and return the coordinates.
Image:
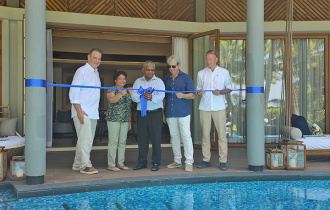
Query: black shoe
(155, 167)
(140, 166)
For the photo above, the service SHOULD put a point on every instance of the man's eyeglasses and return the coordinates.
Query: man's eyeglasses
(150, 69)
(173, 66)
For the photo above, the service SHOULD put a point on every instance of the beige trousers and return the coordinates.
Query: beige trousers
(117, 136)
(219, 118)
(85, 133)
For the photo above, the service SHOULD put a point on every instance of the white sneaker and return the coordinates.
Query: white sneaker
(189, 168)
(75, 168)
(174, 165)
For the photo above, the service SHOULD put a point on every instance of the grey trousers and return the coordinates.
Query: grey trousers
(117, 136)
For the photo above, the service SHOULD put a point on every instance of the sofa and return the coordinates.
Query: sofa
(63, 124)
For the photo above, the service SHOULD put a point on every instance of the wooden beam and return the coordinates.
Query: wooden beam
(111, 36)
(317, 152)
(204, 34)
(327, 83)
(72, 28)
(0, 62)
(118, 63)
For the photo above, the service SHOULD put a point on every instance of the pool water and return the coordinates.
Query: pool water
(227, 195)
(7, 195)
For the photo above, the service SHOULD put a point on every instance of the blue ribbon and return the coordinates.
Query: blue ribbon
(114, 88)
(42, 83)
(255, 90)
(35, 83)
(144, 101)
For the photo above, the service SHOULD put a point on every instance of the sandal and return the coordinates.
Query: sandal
(123, 167)
(114, 168)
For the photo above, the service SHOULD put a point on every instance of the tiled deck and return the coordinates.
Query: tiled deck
(59, 165)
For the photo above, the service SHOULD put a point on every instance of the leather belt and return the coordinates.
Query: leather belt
(155, 110)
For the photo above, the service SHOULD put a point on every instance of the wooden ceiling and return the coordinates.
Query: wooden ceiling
(235, 10)
(184, 10)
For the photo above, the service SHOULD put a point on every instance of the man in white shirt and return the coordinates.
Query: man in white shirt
(150, 126)
(213, 106)
(85, 110)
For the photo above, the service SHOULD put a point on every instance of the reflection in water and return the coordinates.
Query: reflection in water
(314, 193)
(228, 195)
(183, 200)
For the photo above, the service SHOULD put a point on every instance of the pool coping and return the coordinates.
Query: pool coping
(27, 191)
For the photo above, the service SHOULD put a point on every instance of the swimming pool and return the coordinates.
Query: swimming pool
(227, 195)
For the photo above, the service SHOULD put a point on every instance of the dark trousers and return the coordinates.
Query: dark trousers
(150, 128)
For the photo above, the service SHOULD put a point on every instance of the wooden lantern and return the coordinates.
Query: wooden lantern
(3, 163)
(275, 159)
(17, 168)
(295, 154)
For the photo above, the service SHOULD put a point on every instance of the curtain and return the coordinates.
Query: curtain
(309, 80)
(180, 48)
(273, 71)
(232, 58)
(49, 94)
(308, 83)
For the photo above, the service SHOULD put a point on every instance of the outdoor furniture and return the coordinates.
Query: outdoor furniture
(317, 146)
(10, 139)
(64, 125)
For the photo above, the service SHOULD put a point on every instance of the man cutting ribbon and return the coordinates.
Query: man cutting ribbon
(150, 121)
(144, 99)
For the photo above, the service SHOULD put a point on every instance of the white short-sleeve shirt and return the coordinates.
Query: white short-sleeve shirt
(208, 80)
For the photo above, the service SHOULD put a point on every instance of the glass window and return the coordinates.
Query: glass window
(308, 95)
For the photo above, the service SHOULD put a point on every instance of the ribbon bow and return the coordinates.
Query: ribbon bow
(144, 100)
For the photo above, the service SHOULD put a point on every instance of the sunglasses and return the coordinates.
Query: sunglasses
(150, 69)
(173, 66)
(212, 52)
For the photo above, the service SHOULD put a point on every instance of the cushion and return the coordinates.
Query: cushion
(293, 133)
(8, 127)
(314, 129)
(301, 123)
(64, 116)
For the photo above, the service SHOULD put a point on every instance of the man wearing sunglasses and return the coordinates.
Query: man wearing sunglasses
(178, 111)
(213, 106)
(150, 126)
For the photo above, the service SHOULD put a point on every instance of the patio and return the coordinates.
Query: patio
(61, 179)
